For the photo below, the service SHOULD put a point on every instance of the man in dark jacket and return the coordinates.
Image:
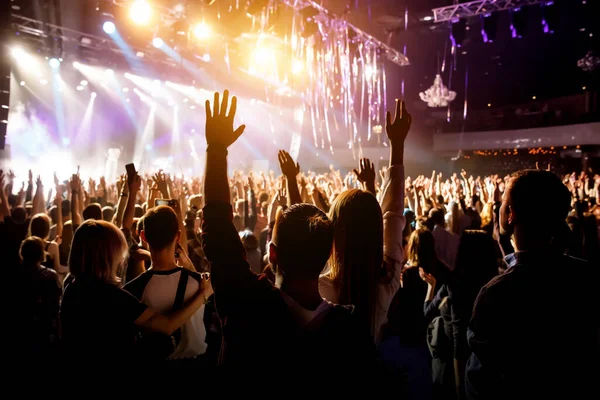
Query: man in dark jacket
(535, 329)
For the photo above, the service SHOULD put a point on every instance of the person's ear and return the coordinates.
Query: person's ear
(511, 216)
(272, 254)
(143, 236)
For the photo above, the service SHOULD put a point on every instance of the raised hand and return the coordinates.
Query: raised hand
(219, 124)
(366, 171)
(281, 197)
(135, 184)
(398, 129)
(288, 167)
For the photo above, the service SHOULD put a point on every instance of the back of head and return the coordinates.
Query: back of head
(108, 213)
(39, 226)
(421, 249)
(32, 251)
(356, 264)
(53, 212)
(92, 211)
(303, 236)
(97, 251)
(18, 215)
(160, 227)
(437, 216)
(543, 218)
(249, 240)
(66, 207)
(477, 258)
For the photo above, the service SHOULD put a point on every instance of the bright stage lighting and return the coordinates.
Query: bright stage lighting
(93, 94)
(297, 67)
(157, 42)
(109, 72)
(80, 88)
(369, 71)
(179, 8)
(54, 63)
(43, 82)
(125, 90)
(201, 31)
(83, 83)
(140, 12)
(109, 27)
(22, 83)
(263, 55)
(76, 65)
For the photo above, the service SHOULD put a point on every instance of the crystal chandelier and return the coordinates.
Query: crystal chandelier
(589, 63)
(437, 95)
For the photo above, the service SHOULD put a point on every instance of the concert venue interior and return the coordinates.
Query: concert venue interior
(98, 81)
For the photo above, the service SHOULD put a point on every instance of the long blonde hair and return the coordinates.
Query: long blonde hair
(97, 252)
(356, 265)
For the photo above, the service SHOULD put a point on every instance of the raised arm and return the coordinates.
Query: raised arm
(392, 198)
(75, 187)
(38, 198)
(366, 175)
(290, 170)
(133, 184)
(4, 209)
(222, 244)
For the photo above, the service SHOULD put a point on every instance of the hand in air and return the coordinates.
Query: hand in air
(427, 278)
(288, 167)
(398, 130)
(219, 124)
(366, 171)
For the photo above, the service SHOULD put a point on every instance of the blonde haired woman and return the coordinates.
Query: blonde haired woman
(98, 317)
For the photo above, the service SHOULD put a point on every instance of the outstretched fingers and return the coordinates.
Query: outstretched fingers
(224, 102)
(233, 108)
(216, 104)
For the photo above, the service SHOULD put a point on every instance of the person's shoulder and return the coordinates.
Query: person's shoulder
(192, 274)
(137, 285)
(48, 274)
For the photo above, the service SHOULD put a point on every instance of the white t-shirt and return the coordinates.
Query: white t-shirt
(157, 289)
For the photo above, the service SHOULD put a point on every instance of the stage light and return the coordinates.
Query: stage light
(93, 94)
(22, 83)
(76, 65)
(19, 54)
(179, 8)
(109, 27)
(54, 63)
(140, 12)
(83, 83)
(206, 57)
(43, 82)
(80, 88)
(427, 18)
(66, 141)
(297, 66)
(458, 34)
(489, 27)
(518, 22)
(370, 71)
(263, 55)
(157, 42)
(550, 17)
(109, 72)
(125, 89)
(201, 31)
